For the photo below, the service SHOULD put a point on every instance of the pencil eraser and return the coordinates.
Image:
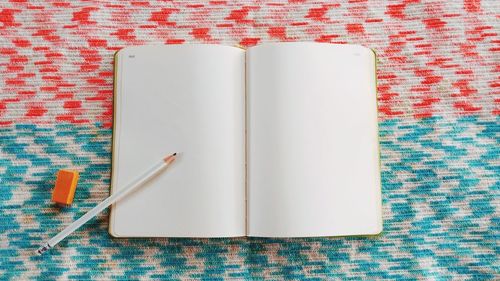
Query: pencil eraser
(64, 189)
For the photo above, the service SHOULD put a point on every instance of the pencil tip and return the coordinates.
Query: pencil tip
(169, 158)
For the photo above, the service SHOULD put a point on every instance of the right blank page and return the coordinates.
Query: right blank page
(312, 141)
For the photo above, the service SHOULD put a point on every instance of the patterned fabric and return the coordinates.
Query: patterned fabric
(439, 108)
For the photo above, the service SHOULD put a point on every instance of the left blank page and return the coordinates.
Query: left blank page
(187, 99)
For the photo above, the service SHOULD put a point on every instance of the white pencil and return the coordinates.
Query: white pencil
(108, 201)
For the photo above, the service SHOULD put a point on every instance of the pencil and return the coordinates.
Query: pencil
(165, 162)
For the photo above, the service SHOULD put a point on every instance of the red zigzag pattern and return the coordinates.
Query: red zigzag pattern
(434, 58)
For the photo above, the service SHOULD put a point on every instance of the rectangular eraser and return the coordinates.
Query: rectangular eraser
(64, 189)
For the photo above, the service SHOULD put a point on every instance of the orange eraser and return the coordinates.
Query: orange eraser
(65, 187)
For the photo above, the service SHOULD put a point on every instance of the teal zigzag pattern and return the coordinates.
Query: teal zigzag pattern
(440, 197)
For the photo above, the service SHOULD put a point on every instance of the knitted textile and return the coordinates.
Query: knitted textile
(439, 103)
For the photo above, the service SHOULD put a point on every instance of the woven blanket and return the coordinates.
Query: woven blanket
(439, 119)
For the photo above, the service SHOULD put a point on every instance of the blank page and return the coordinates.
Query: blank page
(312, 154)
(187, 99)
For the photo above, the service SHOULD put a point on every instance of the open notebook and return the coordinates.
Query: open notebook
(279, 140)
